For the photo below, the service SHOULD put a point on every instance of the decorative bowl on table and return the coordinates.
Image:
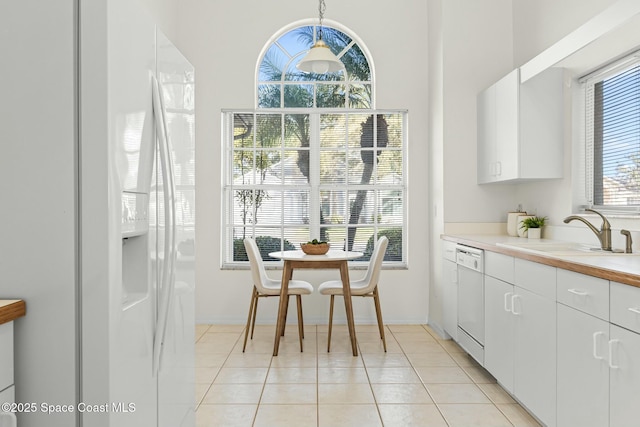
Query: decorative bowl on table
(314, 247)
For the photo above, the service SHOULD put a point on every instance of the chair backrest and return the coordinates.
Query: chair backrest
(375, 263)
(258, 273)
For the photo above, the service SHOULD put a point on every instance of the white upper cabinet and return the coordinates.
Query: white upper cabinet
(521, 128)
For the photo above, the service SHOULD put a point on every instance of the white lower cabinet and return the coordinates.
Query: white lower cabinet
(520, 344)
(583, 350)
(624, 378)
(7, 389)
(6, 355)
(499, 331)
(583, 369)
(598, 357)
(598, 372)
(624, 374)
(534, 380)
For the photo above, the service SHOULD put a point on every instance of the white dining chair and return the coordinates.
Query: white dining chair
(365, 287)
(263, 286)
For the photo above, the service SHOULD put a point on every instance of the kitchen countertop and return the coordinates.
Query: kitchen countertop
(622, 268)
(11, 309)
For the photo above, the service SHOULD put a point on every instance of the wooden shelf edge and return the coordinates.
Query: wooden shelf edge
(10, 312)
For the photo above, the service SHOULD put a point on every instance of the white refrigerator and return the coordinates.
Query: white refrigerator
(97, 206)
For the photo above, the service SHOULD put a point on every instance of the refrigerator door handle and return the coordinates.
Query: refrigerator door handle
(167, 278)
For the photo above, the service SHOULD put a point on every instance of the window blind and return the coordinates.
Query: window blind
(612, 140)
(292, 176)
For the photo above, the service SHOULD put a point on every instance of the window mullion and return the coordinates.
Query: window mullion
(347, 150)
(314, 175)
(282, 173)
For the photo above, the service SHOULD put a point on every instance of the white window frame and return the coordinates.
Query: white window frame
(314, 186)
(585, 159)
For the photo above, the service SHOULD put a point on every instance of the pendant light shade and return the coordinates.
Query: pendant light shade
(320, 59)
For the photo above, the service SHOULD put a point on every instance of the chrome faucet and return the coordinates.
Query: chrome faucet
(628, 249)
(604, 234)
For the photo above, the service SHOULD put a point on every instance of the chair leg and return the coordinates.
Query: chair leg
(300, 321)
(301, 318)
(376, 301)
(284, 326)
(252, 310)
(255, 310)
(330, 323)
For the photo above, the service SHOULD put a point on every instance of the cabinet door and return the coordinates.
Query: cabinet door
(535, 353)
(498, 334)
(583, 370)
(624, 378)
(486, 116)
(507, 126)
(6, 355)
(450, 298)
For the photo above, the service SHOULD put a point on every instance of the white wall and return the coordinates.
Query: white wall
(223, 41)
(536, 27)
(539, 24)
(37, 184)
(477, 51)
(482, 42)
(470, 47)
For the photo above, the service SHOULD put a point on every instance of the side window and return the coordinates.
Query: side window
(613, 138)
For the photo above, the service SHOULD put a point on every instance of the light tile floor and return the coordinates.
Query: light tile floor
(421, 381)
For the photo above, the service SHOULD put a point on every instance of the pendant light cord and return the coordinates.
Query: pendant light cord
(321, 8)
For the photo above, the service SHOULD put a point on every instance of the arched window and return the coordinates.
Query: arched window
(314, 158)
(281, 85)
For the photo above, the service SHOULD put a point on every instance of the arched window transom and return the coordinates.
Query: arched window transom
(282, 85)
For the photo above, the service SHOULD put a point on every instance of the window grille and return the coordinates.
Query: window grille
(292, 176)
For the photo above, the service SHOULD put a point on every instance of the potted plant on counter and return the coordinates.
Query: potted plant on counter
(533, 226)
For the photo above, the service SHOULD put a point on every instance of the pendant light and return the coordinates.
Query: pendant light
(320, 59)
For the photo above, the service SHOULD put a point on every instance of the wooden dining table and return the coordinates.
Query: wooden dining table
(334, 259)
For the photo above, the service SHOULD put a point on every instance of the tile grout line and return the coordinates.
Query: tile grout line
(317, 378)
(375, 401)
(213, 379)
(422, 380)
(264, 384)
(471, 378)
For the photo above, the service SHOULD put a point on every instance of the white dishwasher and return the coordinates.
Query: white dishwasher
(471, 301)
